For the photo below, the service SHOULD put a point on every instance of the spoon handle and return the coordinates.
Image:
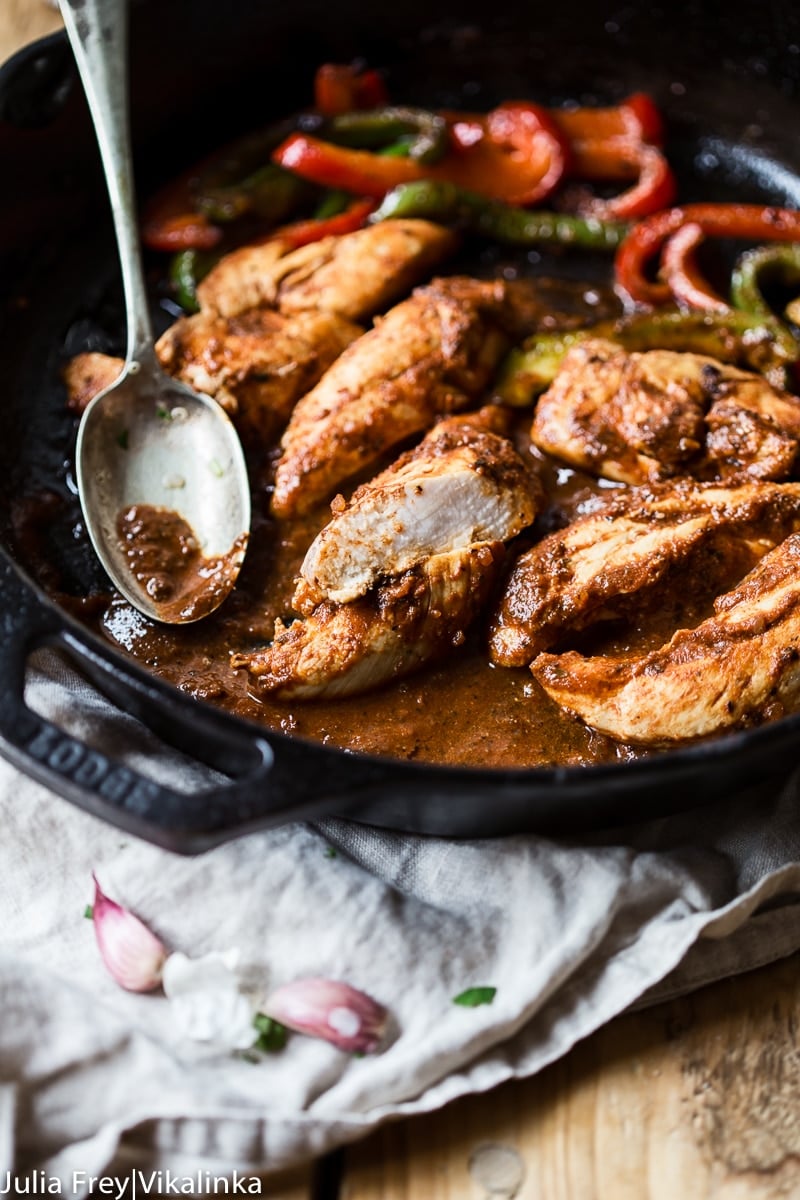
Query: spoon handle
(98, 34)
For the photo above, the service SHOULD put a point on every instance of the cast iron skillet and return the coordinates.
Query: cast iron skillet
(728, 75)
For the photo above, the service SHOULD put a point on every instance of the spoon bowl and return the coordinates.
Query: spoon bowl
(161, 474)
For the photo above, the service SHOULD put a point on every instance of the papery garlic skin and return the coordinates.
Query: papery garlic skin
(325, 1008)
(206, 1002)
(132, 954)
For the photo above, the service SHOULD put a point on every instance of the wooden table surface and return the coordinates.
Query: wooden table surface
(695, 1099)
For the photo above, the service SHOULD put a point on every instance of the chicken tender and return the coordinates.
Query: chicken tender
(640, 418)
(343, 649)
(87, 375)
(352, 276)
(256, 365)
(740, 665)
(464, 483)
(593, 569)
(429, 356)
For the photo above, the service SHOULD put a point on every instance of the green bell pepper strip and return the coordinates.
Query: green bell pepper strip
(762, 266)
(375, 128)
(453, 205)
(759, 343)
(186, 270)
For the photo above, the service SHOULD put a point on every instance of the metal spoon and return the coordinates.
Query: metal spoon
(149, 440)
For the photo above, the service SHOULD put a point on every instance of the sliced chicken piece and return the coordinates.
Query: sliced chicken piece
(87, 375)
(462, 484)
(639, 418)
(739, 666)
(429, 356)
(353, 276)
(255, 365)
(605, 561)
(342, 649)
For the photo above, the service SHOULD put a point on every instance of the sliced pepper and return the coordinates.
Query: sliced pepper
(340, 89)
(301, 233)
(759, 343)
(763, 266)
(754, 222)
(187, 268)
(635, 119)
(680, 270)
(513, 154)
(620, 143)
(452, 205)
(379, 127)
(170, 221)
(655, 187)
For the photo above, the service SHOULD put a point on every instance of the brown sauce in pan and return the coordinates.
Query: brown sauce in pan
(165, 558)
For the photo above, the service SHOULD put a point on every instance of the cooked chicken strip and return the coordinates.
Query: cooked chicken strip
(592, 569)
(353, 276)
(730, 670)
(87, 375)
(462, 484)
(344, 649)
(429, 356)
(640, 418)
(255, 365)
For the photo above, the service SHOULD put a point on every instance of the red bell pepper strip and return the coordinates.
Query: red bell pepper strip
(171, 223)
(635, 119)
(680, 271)
(655, 188)
(341, 89)
(302, 233)
(514, 154)
(754, 222)
(356, 171)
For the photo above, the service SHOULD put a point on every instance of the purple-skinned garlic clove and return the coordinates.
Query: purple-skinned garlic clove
(133, 956)
(325, 1008)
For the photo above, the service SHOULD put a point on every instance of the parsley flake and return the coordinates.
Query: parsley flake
(475, 996)
(330, 852)
(271, 1034)
(123, 438)
(88, 912)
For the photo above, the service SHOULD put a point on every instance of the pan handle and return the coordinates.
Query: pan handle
(273, 782)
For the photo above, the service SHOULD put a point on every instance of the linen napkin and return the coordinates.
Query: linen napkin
(570, 932)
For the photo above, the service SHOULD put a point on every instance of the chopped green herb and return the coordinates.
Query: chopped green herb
(271, 1034)
(122, 439)
(163, 413)
(330, 852)
(474, 996)
(88, 912)
(216, 468)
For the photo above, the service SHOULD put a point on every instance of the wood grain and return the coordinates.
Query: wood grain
(697, 1099)
(23, 21)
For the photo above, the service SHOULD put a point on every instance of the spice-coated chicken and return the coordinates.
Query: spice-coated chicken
(429, 356)
(464, 483)
(255, 365)
(342, 649)
(639, 418)
(740, 665)
(603, 564)
(353, 276)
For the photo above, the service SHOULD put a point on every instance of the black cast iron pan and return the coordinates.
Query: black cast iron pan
(728, 75)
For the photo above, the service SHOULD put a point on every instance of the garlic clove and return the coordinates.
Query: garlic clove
(132, 954)
(325, 1008)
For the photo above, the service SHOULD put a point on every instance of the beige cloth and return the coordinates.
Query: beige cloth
(569, 932)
